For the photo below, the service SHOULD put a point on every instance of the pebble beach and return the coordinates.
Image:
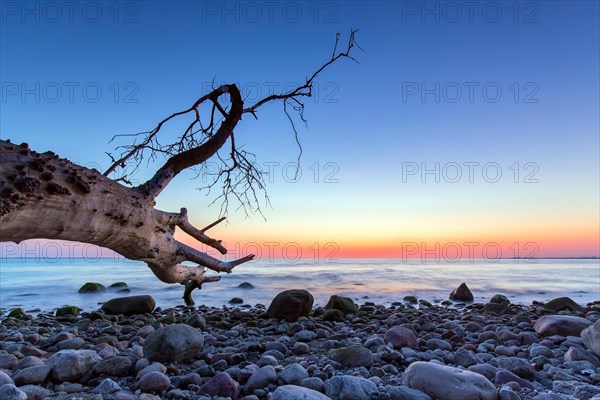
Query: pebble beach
(292, 349)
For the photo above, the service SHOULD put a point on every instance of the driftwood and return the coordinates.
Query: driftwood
(45, 196)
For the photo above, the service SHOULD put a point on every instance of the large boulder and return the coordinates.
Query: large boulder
(400, 336)
(448, 383)
(292, 392)
(591, 338)
(291, 304)
(344, 304)
(562, 303)
(173, 343)
(563, 325)
(352, 356)
(346, 387)
(129, 305)
(461, 293)
(70, 365)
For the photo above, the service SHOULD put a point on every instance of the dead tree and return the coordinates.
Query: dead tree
(45, 196)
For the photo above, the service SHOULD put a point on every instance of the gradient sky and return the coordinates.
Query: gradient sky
(424, 96)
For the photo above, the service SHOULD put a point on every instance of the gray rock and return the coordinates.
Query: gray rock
(11, 392)
(516, 365)
(578, 389)
(8, 361)
(129, 305)
(313, 383)
(352, 356)
(575, 354)
(113, 366)
(293, 374)
(32, 375)
(506, 393)
(538, 350)
(464, 357)
(346, 387)
(404, 393)
(71, 365)
(107, 386)
(152, 367)
(591, 338)
(292, 392)
(34, 392)
(505, 376)
(173, 343)
(563, 325)
(443, 382)
(154, 382)
(30, 361)
(433, 344)
(260, 379)
(4, 378)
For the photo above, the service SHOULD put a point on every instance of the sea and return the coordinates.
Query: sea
(42, 285)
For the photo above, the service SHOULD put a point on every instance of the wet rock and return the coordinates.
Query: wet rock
(344, 304)
(71, 365)
(154, 382)
(443, 382)
(68, 310)
(289, 392)
(461, 293)
(129, 305)
(500, 299)
(246, 285)
(17, 313)
(352, 356)
(290, 305)
(346, 387)
(220, 385)
(564, 325)
(333, 315)
(236, 300)
(177, 342)
(92, 287)
(400, 336)
(591, 338)
(562, 303)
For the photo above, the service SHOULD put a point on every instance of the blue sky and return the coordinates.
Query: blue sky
(367, 123)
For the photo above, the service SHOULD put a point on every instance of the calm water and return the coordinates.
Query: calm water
(48, 284)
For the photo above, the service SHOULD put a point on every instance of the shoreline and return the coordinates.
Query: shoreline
(245, 354)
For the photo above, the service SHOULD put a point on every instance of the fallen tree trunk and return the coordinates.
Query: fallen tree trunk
(43, 196)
